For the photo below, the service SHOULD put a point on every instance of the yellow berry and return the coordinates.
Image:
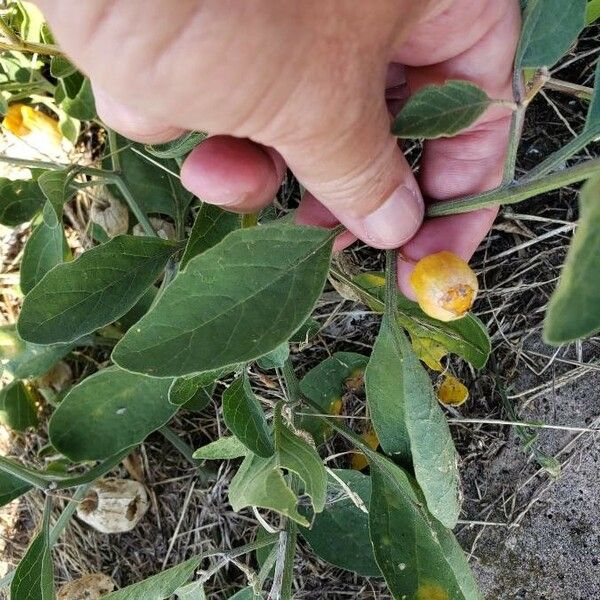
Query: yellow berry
(445, 286)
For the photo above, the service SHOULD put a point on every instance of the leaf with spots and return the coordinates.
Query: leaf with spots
(108, 412)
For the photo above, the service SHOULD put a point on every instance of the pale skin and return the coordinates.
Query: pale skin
(308, 84)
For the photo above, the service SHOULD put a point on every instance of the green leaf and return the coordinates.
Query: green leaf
(78, 297)
(183, 389)
(69, 127)
(20, 201)
(409, 421)
(466, 337)
(54, 186)
(17, 407)
(235, 302)
(338, 534)
(179, 147)
(295, 454)
(592, 122)
(592, 12)
(108, 412)
(325, 384)
(259, 482)
(201, 398)
(573, 312)
(152, 181)
(276, 358)
(160, 586)
(225, 448)
(45, 248)
(74, 95)
(212, 224)
(11, 487)
(245, 594)
(307, 332)
(34, 579)
(419, 558)
(191, 591)
(24, 360)
(441, 110)
(61, 67)
(549, 29)
(244, 417)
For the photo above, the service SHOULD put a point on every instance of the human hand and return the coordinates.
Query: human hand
(303, 84)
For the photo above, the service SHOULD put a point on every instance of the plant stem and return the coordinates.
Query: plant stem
(133, 205)
(391, 285)
(100, 469)
(558, 158)
(45, 49)
(291, 381)
(68, 512)
(179, 444)
(517, 192)
(573, 89)
(23, 473)
(53, 166)
(284, 567)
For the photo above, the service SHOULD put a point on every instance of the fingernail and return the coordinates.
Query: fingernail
(396, 220)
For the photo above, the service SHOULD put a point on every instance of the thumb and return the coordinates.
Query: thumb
(358, 172)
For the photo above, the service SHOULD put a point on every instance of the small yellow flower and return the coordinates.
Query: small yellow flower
(23, 120)
(445, 286)
(452, 391)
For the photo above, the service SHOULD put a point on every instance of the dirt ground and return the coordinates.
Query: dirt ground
(532, 531)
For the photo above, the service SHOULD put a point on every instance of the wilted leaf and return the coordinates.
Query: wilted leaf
(244, 417)
(466, 337)
(224, 448)
(573, 310)
(549, 29)
(212, 224)
(34, 578)
(338, 535)
(78, 297)
(441, 110)
(295, 454)
(325, 385)
(179, 147)
(160, 586)
(20, 201)
(45, 248)
(108, 412)
(452, 391)
(24, 360)
(409, 422)
(260, 483)
(233, 303)
(17, 407)
(418, 557)
(429, 351)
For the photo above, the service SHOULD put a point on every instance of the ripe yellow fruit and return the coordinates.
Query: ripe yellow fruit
(445, 286)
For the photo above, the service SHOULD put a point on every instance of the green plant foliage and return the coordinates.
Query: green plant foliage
(74, 95)
(179, 147)
(225, 448)
(295, 454)
(409, 421)
(244, 417)
(20, 201)
(33, 577)
(78, 297)
(593, 12)
(151, 182)
(418, 557)
(276, 358)
(45, 248)
(211, 225)
(17, 407)
(592, 123)
(466, 337)
(160, 586)
(24, 360)
(54, 186)
(338, 534)
(441, 110)
(11, 487)
(549, 29)
(573, 310)
(245, 594)
(191, 591)
(183, 389)
(108, 412)
(325, 385)
(233, 303)
(260, 483)
(61, 67)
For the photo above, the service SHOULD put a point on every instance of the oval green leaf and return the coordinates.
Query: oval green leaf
(78, 297)
(409, 421)
(232, 304)
(11, 487)
(179, 147)
(108, 412)
(244, 417)
(20, 201)
(441, 110)
(225, 448)
(17, 407)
